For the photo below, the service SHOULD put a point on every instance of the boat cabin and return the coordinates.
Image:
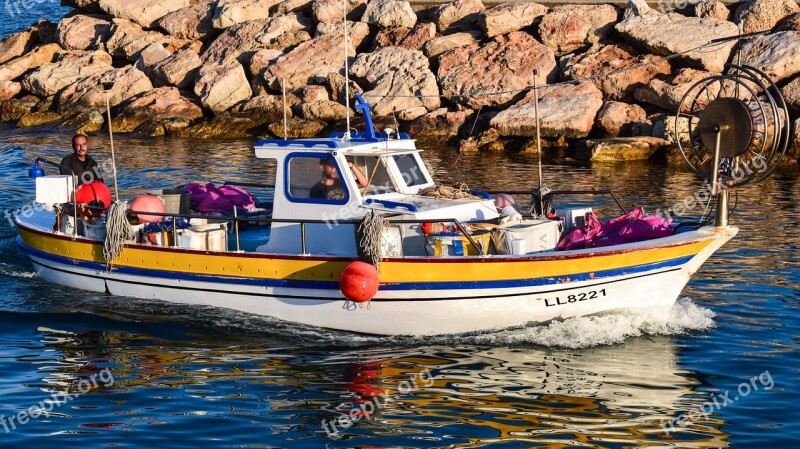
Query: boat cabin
(323, 218)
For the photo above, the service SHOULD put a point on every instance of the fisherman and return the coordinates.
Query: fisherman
(330, 186)
(80, 163)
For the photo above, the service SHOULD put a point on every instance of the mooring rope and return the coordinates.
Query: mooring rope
(370, 229)
(452, 193)
(118, 231)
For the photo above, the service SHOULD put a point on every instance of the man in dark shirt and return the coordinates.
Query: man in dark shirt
(82, 165)
(330, 187)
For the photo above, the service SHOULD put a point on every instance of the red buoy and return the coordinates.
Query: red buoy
(149, 203)
(359, 282)
(95, 194)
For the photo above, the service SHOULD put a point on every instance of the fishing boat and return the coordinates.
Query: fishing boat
(439, 262)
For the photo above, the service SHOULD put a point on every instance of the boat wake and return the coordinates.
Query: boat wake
(579, 332)
(14, 271)
(610, 328)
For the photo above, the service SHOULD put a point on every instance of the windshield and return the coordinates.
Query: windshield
(409, 168)
(374, 168)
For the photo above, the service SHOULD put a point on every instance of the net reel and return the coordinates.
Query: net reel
(733, 129)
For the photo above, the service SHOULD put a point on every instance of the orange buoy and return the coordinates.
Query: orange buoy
(95, 194)
(432, 228)
(149, 203)
(359, 282)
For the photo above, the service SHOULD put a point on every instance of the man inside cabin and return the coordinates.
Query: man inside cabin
(79, 161)
(330, 186)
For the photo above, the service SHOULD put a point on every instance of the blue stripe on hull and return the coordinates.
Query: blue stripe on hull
(334, 285)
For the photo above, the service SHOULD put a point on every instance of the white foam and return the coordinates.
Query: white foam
(8, 270)
(610, 328)
(580, 332)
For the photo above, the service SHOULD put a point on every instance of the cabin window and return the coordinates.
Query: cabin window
(410, 170)
(315, 180)
(374, 168)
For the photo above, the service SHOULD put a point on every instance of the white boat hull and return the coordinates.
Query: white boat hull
(395, 312)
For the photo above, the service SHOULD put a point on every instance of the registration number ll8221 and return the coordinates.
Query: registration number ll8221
(577, 297)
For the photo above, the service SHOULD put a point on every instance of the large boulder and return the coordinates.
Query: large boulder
(150, 56)
(161, 104)
(90, 6)
(143, 12)
(458, 15)
(395, 77)
(13, 109)
(128, 39)
(763, 15)
(666, 34)
(314, 59)
(667, 94)
(291, 6)
(509, 17)
(126, 82)
(504, 64)
(9, 89)
(777, 54)
(322, 111)
(15, 45)
(178, 70)
(38, 118)
(620, 84)
(411, 39)
(620, 149)
(791, 92)
(15, 68)
(222, 87)
(439, 45)
(81, 32)
(85, 122)
(386, 13)
(45, 31)
(437, 126)
(241, 41)
(331, 10)
(72, 67)
(267, 108)
(421, 34)
(336, 83)
(258, 67)
(571, 27)
(712, 9)
(192, 22)
(617, 118)
(231, 12)
(564, 111)
(390, 37)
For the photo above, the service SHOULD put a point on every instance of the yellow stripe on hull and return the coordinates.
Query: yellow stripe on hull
(262, 266)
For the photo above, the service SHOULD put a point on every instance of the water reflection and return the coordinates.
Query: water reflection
(471, 396)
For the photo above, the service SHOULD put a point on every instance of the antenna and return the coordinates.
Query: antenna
(541, 195)
(106, 88)
(536, 118)
(346, 135)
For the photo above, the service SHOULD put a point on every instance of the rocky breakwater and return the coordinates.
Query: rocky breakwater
(456, 72)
